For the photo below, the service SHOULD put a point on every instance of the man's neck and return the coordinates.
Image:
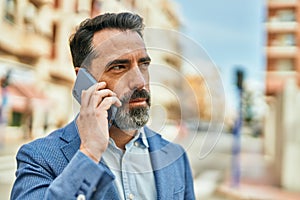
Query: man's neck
(120, 137)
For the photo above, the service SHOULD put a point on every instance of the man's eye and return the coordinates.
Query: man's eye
(144, 64)
(117, 67)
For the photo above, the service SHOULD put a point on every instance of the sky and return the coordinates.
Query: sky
(231, 32)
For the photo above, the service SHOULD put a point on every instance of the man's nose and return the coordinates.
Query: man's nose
(137, 80)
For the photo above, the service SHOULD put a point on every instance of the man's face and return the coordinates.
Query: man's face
(122, 62)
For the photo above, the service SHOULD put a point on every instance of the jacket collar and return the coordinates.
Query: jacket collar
(159, 149)
(162, 155)
(71, 136)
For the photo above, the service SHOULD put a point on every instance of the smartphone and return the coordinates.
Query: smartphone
(83, 81)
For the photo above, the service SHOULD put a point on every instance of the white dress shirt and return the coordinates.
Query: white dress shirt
(132, 168)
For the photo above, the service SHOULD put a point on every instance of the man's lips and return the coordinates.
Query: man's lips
(138, 102)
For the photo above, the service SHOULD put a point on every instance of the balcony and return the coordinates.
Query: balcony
(20, 42)
(281, 51)
(281, 27)
(279, 4)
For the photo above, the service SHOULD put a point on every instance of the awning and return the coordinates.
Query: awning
(22, 97)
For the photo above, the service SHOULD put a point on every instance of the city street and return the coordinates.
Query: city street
(219, 69)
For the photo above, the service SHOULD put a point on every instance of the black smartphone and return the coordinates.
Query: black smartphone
(83, 81)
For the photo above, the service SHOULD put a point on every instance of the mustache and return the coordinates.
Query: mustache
(142, 93)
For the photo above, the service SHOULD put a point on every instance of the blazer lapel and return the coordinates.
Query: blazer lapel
(160, 160)
(160, 153)
(71, 136)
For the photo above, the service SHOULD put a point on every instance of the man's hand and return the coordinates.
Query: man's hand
(92, 120)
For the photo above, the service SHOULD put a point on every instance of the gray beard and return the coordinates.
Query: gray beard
(133, 119)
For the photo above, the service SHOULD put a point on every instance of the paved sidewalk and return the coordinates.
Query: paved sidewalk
(250, 191)
(11, 140)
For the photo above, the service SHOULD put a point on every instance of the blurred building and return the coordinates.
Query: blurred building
(282, 133)
(283, 58)
(199, 87)
(34, 47)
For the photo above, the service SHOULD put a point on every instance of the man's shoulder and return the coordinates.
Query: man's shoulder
(48, 151)
(55, 136)
(52, 142)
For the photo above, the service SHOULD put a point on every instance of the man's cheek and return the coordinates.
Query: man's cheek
(117, 87)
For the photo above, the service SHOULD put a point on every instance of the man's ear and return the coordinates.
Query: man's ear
(76, 70)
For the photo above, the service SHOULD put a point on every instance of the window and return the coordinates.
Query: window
(10, 10)
(284, 65)
(16, 119)
(283, 15)
(286, 39)
(83, 6)
(29, 14)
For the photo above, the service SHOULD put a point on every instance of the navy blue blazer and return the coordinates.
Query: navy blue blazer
(54, 168)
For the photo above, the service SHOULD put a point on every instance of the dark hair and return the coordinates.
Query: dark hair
(81, 41)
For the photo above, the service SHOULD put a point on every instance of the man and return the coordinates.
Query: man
(87, 159)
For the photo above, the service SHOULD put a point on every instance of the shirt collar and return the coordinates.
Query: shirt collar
(139, 140)
(142, 138)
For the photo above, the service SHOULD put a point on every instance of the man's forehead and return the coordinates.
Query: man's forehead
(113, 44)
(110, 38)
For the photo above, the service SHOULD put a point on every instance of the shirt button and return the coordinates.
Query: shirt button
(136, 143)
(130, 196)
(81, 197)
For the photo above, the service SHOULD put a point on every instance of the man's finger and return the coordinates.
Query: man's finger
(107, 102)
(100, 95)
(87, 94)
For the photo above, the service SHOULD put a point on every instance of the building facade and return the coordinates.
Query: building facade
(282, 135)
(283, 58)
(34, 50)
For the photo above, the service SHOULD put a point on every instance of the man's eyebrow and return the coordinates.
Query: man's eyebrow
(117, 62)
(145, 59)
